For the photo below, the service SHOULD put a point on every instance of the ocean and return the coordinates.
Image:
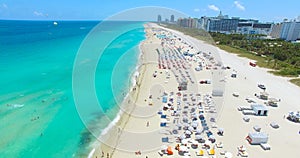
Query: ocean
(39, 113)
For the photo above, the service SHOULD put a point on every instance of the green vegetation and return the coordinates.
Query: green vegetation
(296, 81)
(280, 56)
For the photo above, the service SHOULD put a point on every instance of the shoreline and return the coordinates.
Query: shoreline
(135, 77)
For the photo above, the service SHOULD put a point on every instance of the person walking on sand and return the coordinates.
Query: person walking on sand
(148, 123)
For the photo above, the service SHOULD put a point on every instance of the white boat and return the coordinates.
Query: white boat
(55, 23)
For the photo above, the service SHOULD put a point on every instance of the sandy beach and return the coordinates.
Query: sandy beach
(155, 107)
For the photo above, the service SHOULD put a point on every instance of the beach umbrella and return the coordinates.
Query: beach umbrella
(199, 137)
(193, 110)
(194, 124)
(182, 137)
(179, 125)
(188, 132)
(185, 118)
(184, 141)
(191, 128)
(183, 148)
(195, 115)
(186, 125)
(198, 131)
(221, 130)
(175, 131)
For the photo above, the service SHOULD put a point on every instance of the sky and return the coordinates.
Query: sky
(263, 10)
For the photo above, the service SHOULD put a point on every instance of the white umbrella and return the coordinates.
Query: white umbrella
(183, 148)
(221, 130)
(199, 137)
(188, 132)
(194, 124)
(185, 118)
(184, 141)
(211, 137)
(198, 131)
(182, 137)
(186, 125)
(191, 128)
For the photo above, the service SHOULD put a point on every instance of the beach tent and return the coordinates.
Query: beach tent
(260, 110)
(256, 138)
(165, 139)
(217, 92)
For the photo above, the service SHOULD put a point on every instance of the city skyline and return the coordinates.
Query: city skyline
(265, 11)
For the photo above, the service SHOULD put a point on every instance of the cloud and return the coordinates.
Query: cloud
(196, 10)
(38, 13)
(239, 5)
(213, 7)
(4, 5)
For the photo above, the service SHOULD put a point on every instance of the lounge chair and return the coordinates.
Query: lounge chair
(243, 154)
(211, 152)
(200, 153)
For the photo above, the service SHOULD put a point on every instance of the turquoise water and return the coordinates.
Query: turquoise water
(38, 116)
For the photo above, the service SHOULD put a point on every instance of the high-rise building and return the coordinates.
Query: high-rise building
(172, 19)
(159, 18)
(253, 27)
(221, 23)
(276, 30)
(188, 22)
(224, 24)
(289, 31)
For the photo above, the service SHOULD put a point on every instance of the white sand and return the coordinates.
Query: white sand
(134, 135)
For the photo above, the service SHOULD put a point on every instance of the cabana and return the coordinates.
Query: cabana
(256, 138)
(260, 110)
(217, 92)
(233, 74)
